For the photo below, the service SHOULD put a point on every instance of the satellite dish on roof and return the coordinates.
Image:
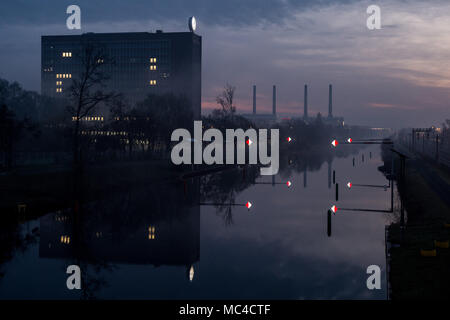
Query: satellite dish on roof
(192, 24)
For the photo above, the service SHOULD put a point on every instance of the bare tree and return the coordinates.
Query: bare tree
(12, 131)
(86, 91)
(225, 99)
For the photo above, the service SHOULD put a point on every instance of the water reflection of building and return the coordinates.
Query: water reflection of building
(156, 229)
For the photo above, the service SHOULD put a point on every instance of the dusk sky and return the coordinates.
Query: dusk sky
(398, 76)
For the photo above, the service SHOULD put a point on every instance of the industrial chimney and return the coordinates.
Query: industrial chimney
(254, 99)
(330, 102)
(305, 103)
(274, 102)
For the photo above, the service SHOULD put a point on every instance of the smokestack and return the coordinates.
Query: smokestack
(305, 178)
(330, 102)
(305, 103)
(254, 99)
(274, 102)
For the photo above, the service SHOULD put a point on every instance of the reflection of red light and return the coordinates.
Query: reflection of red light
(249, 142)
(289, 184)
(334, 143)
(349, 185)
(334, 209)
(349, 140)
(248, 204)
(289, 139)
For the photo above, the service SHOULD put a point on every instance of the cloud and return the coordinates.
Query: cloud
(230, 12)
(285, 42)
(388, 105)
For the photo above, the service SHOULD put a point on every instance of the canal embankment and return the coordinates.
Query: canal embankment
(419, 254)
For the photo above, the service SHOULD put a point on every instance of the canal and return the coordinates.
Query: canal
(197, 240)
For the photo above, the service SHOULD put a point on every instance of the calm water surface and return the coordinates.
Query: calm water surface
(149, 243)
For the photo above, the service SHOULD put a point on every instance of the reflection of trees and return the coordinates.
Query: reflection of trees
(12, 130)
(13, 240)
(222, 188)
(311, 159)
(91, 267)
(120, 215)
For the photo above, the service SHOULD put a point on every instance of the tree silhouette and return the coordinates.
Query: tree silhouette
(86, 91)
(225, 100)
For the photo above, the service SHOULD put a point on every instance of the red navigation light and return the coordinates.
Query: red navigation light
(334, 143)
(289, 139)
(289, 184)
(349, 185)
(349, 140)
(334, 209)
(248, 205)
(249, 142)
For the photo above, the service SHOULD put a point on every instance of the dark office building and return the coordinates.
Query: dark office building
(143, 63)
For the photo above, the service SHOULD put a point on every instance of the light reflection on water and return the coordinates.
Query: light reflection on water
(160, 244)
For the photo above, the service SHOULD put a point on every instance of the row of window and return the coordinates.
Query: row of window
(129, 118)
(67, 54)
(59, 83)
(64, 75)
(153, 82)
(153, 67)
(152, 60)
(58, 89)
(104, 133)
(89, 118)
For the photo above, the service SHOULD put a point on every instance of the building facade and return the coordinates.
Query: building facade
(142, 63)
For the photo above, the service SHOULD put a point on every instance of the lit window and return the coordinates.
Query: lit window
(58, 89)
(151, 233)
(152, 60)
(153, 67)
(152, 82)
